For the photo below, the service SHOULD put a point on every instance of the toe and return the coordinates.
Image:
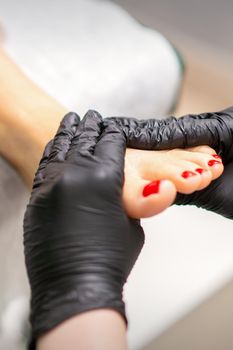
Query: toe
(205, 159)
(206, 178)
(216, 167)
(181, 172)
(202, 149)
(187, 176)
(154, 202)
(145, 198)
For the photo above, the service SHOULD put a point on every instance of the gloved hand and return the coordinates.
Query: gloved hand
(217, 197)
(79, 244)
(213, 129)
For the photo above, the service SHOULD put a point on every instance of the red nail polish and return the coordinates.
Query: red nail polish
(200, 170)
(187, 174)
(216, 156)
(213, 162)
(151, 188)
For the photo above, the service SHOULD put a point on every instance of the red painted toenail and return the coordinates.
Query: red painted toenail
(151, 188)
(213, 162)
(200, 170)
(216, 156)
(187, 174)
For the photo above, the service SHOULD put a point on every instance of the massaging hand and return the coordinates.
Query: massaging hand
(79, 244)
(213, 129)
(217, 197)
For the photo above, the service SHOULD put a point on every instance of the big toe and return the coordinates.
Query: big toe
(144, 198)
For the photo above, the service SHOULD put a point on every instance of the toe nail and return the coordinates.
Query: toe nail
(213, 162)
(187, 174)
(200, 170)
(151, 188)
(216, 156)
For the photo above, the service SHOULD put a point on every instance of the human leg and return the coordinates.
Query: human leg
(29, 118)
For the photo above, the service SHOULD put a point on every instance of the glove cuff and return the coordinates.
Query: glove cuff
(55, 308)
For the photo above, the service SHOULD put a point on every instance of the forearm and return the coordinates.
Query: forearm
(102, 329)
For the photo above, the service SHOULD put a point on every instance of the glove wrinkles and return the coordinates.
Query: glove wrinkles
(212, 129)
(80, 246)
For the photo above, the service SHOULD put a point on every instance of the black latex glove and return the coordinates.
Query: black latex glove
(79, 244)
(217, 197)
(213, 129)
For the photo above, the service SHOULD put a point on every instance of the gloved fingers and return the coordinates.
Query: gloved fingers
(213, 129)
(146, 134)
(86, 136)
(217, 197)
(63, 137)
(111, 146)
(132, 123)
(39, 176)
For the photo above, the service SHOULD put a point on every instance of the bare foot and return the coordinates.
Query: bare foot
(152, 178)
(29, 118)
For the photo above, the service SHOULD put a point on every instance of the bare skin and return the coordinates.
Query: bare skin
(106, 327)
(29, 118)
(142, 167)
